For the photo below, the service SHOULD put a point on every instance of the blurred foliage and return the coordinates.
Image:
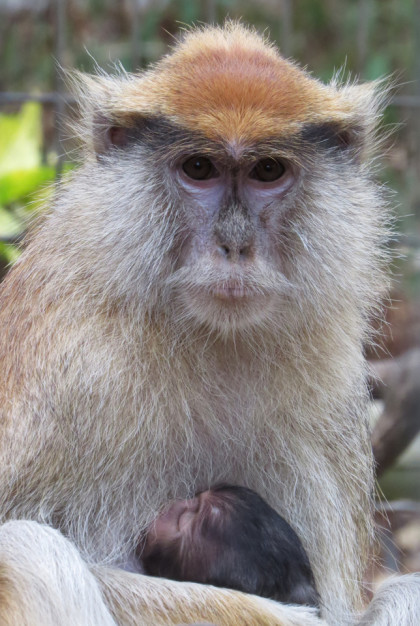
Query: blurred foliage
(21, 171)
(22, 174)
(325, 34)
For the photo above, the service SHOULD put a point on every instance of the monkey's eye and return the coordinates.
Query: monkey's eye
(268, 170)
(199, 168)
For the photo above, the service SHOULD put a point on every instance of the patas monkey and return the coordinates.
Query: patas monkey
(192, 311)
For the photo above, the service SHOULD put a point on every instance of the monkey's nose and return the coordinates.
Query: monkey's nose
(234, 252)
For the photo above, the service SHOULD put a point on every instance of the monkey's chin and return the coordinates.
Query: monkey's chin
(229, 309)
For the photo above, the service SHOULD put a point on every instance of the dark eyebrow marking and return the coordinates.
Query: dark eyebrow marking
(329, 135)
(166, 141)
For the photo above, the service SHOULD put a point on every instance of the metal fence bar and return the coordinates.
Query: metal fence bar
(406, 101)
(13, 97)
(136, 35)
(60, 16)
(416, 120)
(210, 11)
(364, 15)
(286, 28)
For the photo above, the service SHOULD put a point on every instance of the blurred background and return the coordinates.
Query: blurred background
(368, 38)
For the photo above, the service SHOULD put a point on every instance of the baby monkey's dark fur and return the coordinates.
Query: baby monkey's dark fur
(236, 540)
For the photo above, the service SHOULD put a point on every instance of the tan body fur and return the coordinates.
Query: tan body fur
(122, 386)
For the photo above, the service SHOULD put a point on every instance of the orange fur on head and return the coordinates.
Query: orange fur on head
(232, 85)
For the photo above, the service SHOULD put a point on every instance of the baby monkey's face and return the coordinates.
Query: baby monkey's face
(176, 520)
(186, 533)
(184, 519)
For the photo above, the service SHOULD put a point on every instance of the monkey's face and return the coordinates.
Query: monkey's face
(240, 184)
(229, 267)
(236, 233)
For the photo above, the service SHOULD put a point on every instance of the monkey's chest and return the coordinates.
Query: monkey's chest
(218, 436)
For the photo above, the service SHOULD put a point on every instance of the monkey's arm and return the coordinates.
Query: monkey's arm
(396, 603)
(45, 582)
(136, 600)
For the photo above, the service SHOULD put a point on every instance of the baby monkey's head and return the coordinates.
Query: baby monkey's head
(230, 537)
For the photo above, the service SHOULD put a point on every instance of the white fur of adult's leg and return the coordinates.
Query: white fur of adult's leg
(137, 600)
(44, 581)
(396, 603)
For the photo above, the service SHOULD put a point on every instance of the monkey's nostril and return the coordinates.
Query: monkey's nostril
(234, 252)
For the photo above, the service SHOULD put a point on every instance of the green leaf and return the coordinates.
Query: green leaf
(20, 183)
(20, 139)
(9, 224)
(8, 252)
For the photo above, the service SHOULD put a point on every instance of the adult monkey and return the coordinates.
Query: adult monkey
(192, 311)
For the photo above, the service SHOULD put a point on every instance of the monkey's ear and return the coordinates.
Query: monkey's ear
(360, 111)
(102, 125)
(108, 134)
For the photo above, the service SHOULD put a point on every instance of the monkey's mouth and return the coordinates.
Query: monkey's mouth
(230, 290)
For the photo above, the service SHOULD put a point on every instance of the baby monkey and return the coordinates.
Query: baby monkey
(230, 537)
